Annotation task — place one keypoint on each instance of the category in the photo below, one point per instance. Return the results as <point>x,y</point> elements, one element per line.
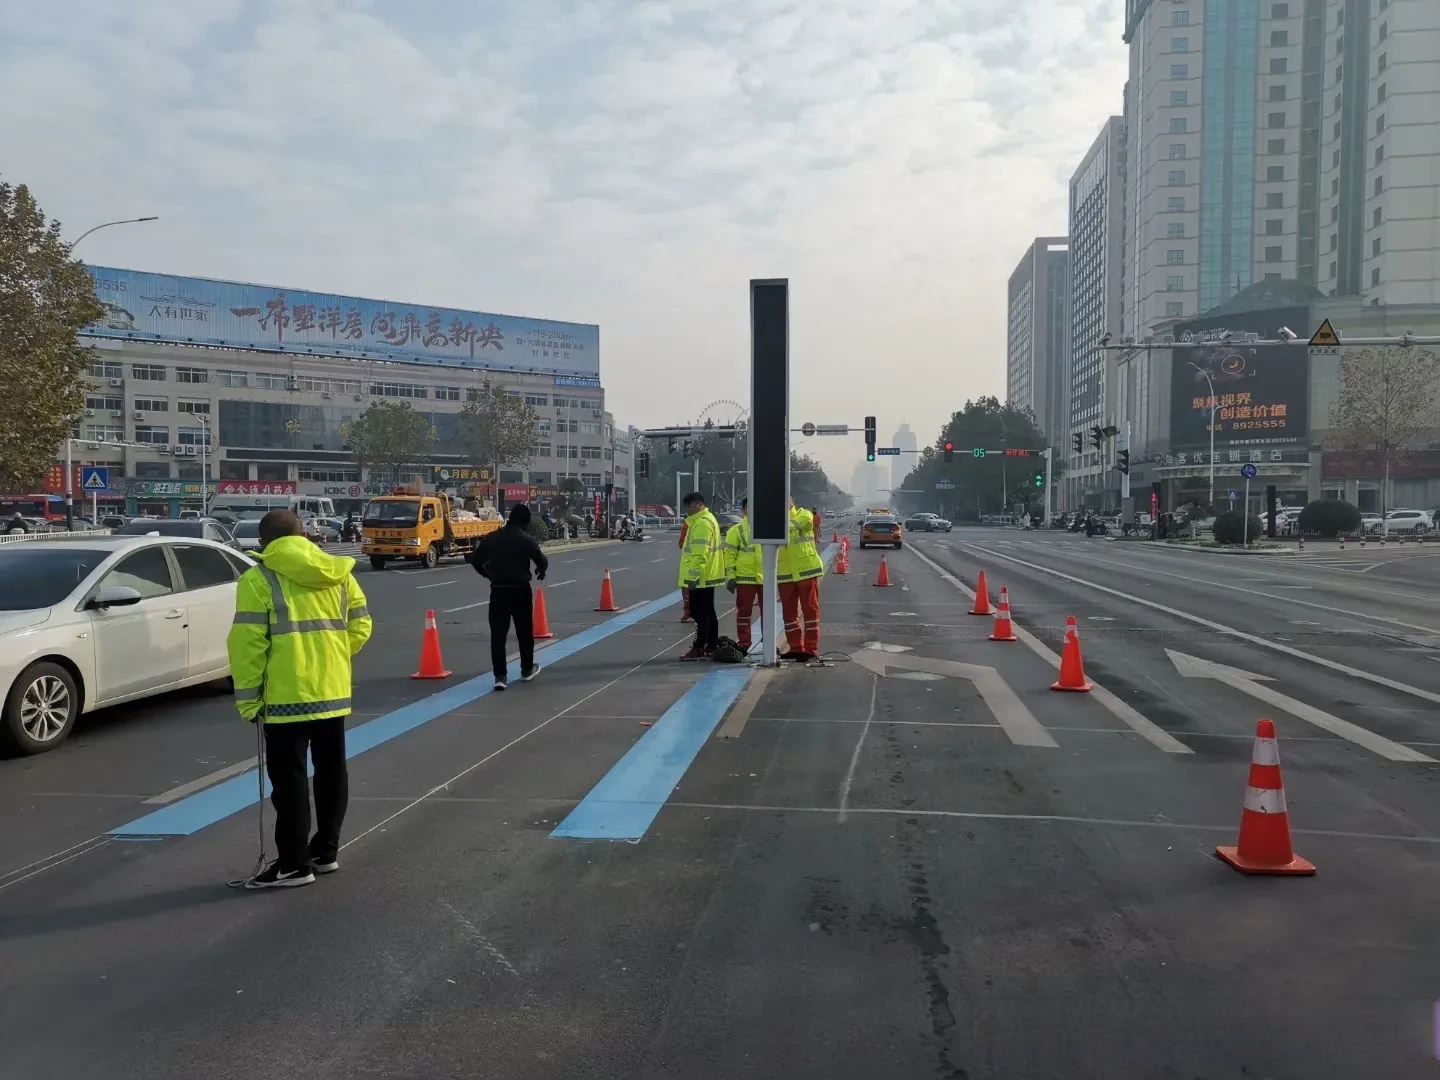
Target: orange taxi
<point>881,527</point>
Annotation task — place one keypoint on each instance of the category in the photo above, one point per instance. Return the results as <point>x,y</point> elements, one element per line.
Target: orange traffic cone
<point>541,618</point>
<point>1264,846</point>
<point>883,580</point>
<point>684,605</point>
<point>432,665</point>
<point>607,594</point>
<point>1004,628</point>
<point>835,536</point>
<point>982,597</point>
<point>842,564</point>
<point>1072,667</point>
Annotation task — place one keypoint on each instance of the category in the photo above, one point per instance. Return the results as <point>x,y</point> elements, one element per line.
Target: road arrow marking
<point>1248,682</point>
<point>1010,712</point>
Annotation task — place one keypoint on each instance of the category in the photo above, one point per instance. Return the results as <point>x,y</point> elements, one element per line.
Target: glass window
<point>266,380</point>
<point>1275,146</point>
<point>1177,151</point>
<point>105,432</point>
<point>1175,202</point>
<point>149,433</point>
<point>1276,120</point>
<point>1379,123</point>
<point>1380,94</point>
<point>147,372</point>
<point>1379,184</point>
<point>1175,283</point>
<point>1277,92</point>
<point>232,378</point>
<point>154,404</point>
<point>1278,65</point>
<point>1274,173</point>
<point>1179,44</point>
<point>1175,230</point>
<point>218,533</point>
<point>1273,254</point>
<point>192,406</point>
<point>1279,38</point>
<point>1383,32</point>
<point>145,571</point>
<point>1174,309</point>
<point>447,393</point>
<point>1381,64</point>
<point>1274,226</point>
<point>99,401</point>
<point>202,567</point>
<point>1179,97</point>
<point>107,369</point>
<point>1176,177</point>
<point>42,575</point>
<point>1180,18</point>
<point>1179,71</point>
<point>1375,276</point>
<point>542,449</point>
<point>1279,11</point>
<point>191,375</point>
<point>1375,246</point>
<point>1177,126</point>
<point>1174,257</point>
<point>1379,154</point>
<point>192,436</point>
<point>1375,218</point>
<point>537,399</point>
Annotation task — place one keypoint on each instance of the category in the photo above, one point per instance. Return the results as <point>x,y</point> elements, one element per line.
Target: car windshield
<point>394,511</point>
<point>246,528</point>
<point>41,574</point>
<point>163,526</point>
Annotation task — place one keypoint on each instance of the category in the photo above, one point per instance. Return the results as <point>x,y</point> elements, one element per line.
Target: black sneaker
<point>321,866</point>
<point>526,676</point>
<point>273,878</point>
<point>501,684</point>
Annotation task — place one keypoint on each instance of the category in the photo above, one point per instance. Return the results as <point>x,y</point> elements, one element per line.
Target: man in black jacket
<point>504,557</point>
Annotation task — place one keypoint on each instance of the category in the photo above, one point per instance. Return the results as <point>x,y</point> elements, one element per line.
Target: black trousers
<point>285,746</point>
<point>507,603</point>
<point>707,623</point>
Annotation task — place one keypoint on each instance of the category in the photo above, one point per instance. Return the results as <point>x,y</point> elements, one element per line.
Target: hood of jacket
<point>300,560</point>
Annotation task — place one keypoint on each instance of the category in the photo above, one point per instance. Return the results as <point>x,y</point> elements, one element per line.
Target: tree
<point>46,298</point>
<point>1388,398</point>
<point>496,429</point>
<point>389,435</point>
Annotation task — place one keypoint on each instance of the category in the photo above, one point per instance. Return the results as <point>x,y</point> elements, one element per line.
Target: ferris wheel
<point>723,413</point>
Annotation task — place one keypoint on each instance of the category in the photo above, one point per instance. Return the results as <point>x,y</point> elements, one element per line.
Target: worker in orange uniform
<point>798,570</point>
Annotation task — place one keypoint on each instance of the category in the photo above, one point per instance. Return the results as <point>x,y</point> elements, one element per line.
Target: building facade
<point>903,465</point>
<point>1096,210</point>
<point>253,418</point>
<point>1038,333</point>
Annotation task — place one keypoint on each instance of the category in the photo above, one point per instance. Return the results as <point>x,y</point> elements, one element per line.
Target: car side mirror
<point>114,596</point>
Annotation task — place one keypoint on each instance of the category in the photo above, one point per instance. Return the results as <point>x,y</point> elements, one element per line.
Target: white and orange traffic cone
<point>1004,628</point>
<point>1264,846</point>
<point>432,665</point>
<point>607,594</point>
<point>982,597</point>
<point>1072,667</point>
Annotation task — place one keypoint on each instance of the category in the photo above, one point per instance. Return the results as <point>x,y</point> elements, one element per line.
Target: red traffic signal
<point>949,451</point>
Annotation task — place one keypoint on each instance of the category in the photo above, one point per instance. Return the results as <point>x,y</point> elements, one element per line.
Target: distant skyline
<point>624,163</point>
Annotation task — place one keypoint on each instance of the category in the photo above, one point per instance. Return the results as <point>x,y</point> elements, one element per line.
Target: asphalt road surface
<point>912,860</point>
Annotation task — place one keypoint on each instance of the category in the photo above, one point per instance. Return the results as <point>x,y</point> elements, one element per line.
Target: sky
<point>630,163</point>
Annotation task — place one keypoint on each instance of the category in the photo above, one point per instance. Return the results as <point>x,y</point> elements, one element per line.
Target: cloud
<point>625,163</point>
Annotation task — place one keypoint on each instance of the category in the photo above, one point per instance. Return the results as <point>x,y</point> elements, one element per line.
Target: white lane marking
<point>1140,724</point>
<point>849,779</point>
<point>465,607</point>
<point>513,742</point>
<point>1229,631</point>
<point>661,559</point>
<point>1043,819</point>
<point>617,569</point>
<point>202,782</point>
<point>569,581</point>
<point>1248,590</point>
<point>437,584</point>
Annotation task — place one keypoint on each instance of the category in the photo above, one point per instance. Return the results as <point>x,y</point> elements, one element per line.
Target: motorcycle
<point>630,531</point>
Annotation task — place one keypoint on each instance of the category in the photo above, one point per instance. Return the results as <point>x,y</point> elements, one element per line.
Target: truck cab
<point>421,527</point>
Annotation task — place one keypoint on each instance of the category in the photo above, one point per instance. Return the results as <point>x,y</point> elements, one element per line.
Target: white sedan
<point>90,622</point>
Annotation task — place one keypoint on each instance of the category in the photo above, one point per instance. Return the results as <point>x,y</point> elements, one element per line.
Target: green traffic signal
<point>1039,479</point>
<point>870,456</point>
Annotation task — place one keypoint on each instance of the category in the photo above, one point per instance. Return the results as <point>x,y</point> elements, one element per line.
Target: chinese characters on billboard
<point>1256,394</point>
<point>156,307</point>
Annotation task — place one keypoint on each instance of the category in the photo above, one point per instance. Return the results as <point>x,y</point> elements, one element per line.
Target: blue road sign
<point>1232,494</point>
<point>95,478</point>
<point>1249,471</point>
<point>887,451</point>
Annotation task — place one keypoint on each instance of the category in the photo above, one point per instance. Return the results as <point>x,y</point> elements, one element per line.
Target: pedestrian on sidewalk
<point>798,569</point>
<point>299,618</point>
<point>744,575</point>
<point>504,557</point>
<point>702,569</point>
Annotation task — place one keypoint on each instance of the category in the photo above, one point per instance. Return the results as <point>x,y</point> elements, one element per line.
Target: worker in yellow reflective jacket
<point>798,569</point>
<point>744,574</point>
<point>702,570</point>
<point>299,618</point>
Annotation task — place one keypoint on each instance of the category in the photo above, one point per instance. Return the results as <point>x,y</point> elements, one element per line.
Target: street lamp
<point>127,221</point>
<point>204,456</point>
<point>1214,402</point>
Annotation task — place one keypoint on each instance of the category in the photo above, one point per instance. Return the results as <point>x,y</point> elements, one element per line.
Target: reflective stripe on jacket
<point>299,618</point>
<point>798,559</point>
<point>744,562</point>
<point>702,559</point>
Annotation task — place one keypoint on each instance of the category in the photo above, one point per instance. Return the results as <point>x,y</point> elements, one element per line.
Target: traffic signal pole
<point>1048,454</point>
<point>1125,476</point>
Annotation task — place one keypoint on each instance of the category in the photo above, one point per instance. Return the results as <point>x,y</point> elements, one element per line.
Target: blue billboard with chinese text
<point>201,311</point>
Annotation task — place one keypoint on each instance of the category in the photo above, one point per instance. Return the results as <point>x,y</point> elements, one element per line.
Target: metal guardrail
<point>10,538</point>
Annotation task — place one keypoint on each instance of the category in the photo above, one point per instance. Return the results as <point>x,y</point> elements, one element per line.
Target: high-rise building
<point>1038,336</point>
<point>1096,202</point>
<point>904,465</point>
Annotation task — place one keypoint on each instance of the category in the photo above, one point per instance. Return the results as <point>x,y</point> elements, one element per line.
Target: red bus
<point>48,507</point>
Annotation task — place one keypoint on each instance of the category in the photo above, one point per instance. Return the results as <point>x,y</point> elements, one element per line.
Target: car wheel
<point>40,709</point>
<point>377,562</point>
<point>432,557</point>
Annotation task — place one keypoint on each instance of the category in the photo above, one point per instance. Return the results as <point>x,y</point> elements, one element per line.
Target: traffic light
<point>1078,441</point>
<point>1122,462</point>
<point>949,451</point>
<point>686,449</point>
<point>1039,478</point>
<point>869,438</point>
<point>671,445</point>
<point>1097,437</point>
<point>644,466</point>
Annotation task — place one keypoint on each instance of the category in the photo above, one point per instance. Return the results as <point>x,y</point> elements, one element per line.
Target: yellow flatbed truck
<point>424,528</point>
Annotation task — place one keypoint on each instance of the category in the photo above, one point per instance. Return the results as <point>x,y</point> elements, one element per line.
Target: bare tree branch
<point>1389,397</point>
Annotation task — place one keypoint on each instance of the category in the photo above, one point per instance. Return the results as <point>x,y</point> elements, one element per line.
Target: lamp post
<point>96,228</point>
<point>204,420</point>
<point>1214,402</point>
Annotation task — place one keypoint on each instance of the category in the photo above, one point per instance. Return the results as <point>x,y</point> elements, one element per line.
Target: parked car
<point>88,622</point>
<point>201,528</point>
<point>928,523</point>
<point>1410,522</point>
<point>247,535</point>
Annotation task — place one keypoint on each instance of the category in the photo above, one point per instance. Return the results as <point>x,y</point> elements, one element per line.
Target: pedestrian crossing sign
<point>95,478</point>
<point>1324,336</point>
